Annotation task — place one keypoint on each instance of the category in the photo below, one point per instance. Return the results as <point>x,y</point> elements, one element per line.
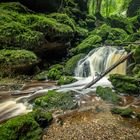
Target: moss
<point>22,127</point>
<point>123,112</point>
<point>14,6</point>
<point>16,61</point>
<point>66,80</point>
<point>88,44</point>
<point>81,32</point>
<point>107,94</point>
<point>14,35</point>
<point>56,100</point>
<point>71,63</point>
<point>16,57</point>
<point>50,27</point>
<point>41,76</point>
<point>55,72</point>
<point>121,22</point>
<point>125,84</point>
<point>29,126</point>
<point>117,34</point>
<point>63,18</point>
<point>134,37</point>
<point>102,31</point>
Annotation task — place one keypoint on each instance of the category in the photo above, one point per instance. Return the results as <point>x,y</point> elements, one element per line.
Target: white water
<point>96,62</point>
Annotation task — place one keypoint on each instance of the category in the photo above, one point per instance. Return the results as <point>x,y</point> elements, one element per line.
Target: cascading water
<point>96,62</point>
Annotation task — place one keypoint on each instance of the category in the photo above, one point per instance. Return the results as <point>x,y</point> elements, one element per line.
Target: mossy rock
<point>55,72</point>
<point>81,32</point>
<point>125,84</point>
<point>14,35</point>
<point>64,19</point>
<point>17,61</point>
<point>102,31</point>
<point>107,94</point>
<point>29,126</point>
<point>66,80</point>
<point>55,100</point>
<point>121,22</point>
<point>41,76</point>
<point>128,112</point>
<point>50,27</point>
<point>72,63</point>
<point>14,6</point>
<point>134,37</point>
<point>117,34</point>
<point>88,44</point>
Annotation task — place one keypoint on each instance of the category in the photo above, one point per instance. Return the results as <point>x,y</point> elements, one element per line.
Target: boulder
<point>125,84</point>
<point>17,62</point>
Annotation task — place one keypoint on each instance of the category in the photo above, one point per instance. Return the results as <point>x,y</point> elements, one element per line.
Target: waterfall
<point>98,60</point>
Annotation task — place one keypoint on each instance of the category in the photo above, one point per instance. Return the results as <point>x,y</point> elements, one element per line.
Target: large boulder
<point>125,84</point>
<point>17,61</point>
<point>72,63</point>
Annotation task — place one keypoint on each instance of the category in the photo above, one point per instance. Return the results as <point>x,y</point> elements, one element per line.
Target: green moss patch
<point>107,94</point>
<point>123,112</point>
<point>66,80</point>
<point>72,63</point>
<point>125,84</point>
<point>16,61</point>
<point>28,126</point>
<point>88,44</point>
<point>56,100</point>
<point>55,72</point>
<point>14,35</point>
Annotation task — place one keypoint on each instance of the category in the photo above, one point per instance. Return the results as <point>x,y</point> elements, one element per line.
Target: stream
<point>14,103</point>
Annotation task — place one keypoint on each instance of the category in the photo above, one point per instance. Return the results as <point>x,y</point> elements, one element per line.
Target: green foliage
<point>55,72</point>
<point>117,36</point>
<point>24,127</point>
<point>102,31</point>
<point>41,76</point>
<point>56,100</point>
<point>107,94</point>
<point>66,80</point>
<point>63,18</point>
<point>125,84</point>
<point>16,57</point>
<point>134,37</point>
<point>88,44</point>
<point>19,36</point>
<point>81,32</point>
<point>49,26</point>
<point>14,6</point>
<point>72,63</point>
<point>121,22</point>
<point>123,112</point>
